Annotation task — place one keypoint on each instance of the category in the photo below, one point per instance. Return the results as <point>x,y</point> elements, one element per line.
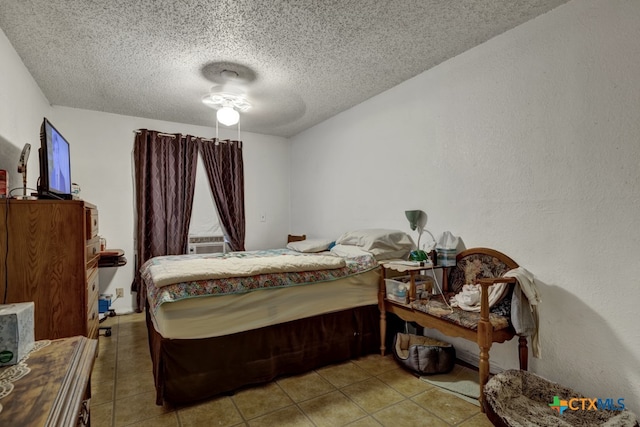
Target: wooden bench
<point>477,265</point>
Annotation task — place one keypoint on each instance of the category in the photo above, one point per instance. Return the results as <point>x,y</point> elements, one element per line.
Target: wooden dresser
<point>53,253</point>
<point>57,389</point>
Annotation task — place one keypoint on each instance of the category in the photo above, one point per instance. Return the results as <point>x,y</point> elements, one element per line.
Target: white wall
<point>101,147</point>
<point>527,144</point>
<point>22,106</point>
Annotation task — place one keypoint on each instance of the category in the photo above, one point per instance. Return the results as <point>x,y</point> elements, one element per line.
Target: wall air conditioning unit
<point>207,245</point>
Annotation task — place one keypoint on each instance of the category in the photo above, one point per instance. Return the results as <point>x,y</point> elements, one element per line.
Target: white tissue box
<point>446,257</point>
<point>16,332</point>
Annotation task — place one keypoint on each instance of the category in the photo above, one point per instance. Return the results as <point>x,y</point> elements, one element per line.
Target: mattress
<point>218,315</point>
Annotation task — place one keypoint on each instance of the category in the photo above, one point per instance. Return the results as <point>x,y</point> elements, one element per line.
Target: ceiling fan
<point>237,89</point>
<point>228,95</point>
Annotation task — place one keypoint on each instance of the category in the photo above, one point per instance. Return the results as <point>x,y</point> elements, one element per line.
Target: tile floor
<point>370,391</point>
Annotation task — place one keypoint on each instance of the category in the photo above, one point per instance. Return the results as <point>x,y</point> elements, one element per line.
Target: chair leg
<point>483,373</point>
<point>523,353</point>
<point>383,332</point>
<point>383,314</point>
<point>485,339</point>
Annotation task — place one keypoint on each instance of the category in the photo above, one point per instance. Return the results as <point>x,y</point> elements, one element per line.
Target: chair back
<point>478,263</point>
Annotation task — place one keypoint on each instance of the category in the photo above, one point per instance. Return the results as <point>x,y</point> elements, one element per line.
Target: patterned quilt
<point>238,285</point>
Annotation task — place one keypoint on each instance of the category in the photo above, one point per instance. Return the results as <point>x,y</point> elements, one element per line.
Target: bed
<point>216,334</point>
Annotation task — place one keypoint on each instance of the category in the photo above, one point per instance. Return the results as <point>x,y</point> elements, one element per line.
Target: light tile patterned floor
<point>371,391</point>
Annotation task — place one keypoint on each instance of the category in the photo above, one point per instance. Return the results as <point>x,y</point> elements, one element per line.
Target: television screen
<point>55,167</point>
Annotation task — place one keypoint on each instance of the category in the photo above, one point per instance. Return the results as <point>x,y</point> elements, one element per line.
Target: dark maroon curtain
<point>225,170</point>
<point>165,174</point>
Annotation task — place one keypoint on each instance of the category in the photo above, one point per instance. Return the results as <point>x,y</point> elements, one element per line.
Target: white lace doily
<point>11,374</point>
<point>14,373</point>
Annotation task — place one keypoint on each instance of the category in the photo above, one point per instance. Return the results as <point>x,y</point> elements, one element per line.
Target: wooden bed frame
<point>191,370</point>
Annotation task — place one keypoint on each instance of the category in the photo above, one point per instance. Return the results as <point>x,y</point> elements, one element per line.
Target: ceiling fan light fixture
<point>229,106</point>
<point>228,116</point>
<point>218,100</point>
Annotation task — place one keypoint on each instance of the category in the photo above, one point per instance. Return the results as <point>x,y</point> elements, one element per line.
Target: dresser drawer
<point>93,320</point>
<point>93,287</point>
<point>92,222</point>
<point>93,249</point>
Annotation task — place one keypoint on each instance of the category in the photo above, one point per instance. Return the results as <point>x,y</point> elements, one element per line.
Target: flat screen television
<point>55,164</point>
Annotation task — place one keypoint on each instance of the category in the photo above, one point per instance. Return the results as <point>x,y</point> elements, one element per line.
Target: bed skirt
<point>191,370</point>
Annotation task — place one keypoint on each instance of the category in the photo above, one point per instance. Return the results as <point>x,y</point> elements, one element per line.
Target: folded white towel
<point>469,299</point>
<point>469,296</point>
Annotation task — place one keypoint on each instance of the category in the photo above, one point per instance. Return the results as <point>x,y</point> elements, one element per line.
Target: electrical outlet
<point>119,293</point>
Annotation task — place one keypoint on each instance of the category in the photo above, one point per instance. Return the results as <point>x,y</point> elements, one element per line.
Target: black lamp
<point>417,221</point>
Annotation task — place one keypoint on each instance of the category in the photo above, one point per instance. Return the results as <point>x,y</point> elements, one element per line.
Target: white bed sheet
<point>215,316</point>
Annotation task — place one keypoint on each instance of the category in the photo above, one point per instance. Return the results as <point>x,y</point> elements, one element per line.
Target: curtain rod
<point>173,136</point>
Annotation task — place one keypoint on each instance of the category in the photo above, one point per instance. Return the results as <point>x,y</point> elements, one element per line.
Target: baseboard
<point>473,359</point>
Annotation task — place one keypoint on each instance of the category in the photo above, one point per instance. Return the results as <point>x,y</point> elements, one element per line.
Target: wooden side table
<point>56,391</point>
<point>110,258</point>
<point>403,310</point>
<point>413,270</point>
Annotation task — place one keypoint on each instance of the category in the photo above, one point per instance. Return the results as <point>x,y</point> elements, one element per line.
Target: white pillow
<point>309,245</point>
<point>382,243</point>
<point>347,251</point>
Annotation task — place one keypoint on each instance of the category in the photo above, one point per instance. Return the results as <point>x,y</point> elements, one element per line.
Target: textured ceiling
<point>299,62</point>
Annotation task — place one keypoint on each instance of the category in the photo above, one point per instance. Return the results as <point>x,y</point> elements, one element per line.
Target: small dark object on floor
<point>107,329</point>
<point>424,355</point>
